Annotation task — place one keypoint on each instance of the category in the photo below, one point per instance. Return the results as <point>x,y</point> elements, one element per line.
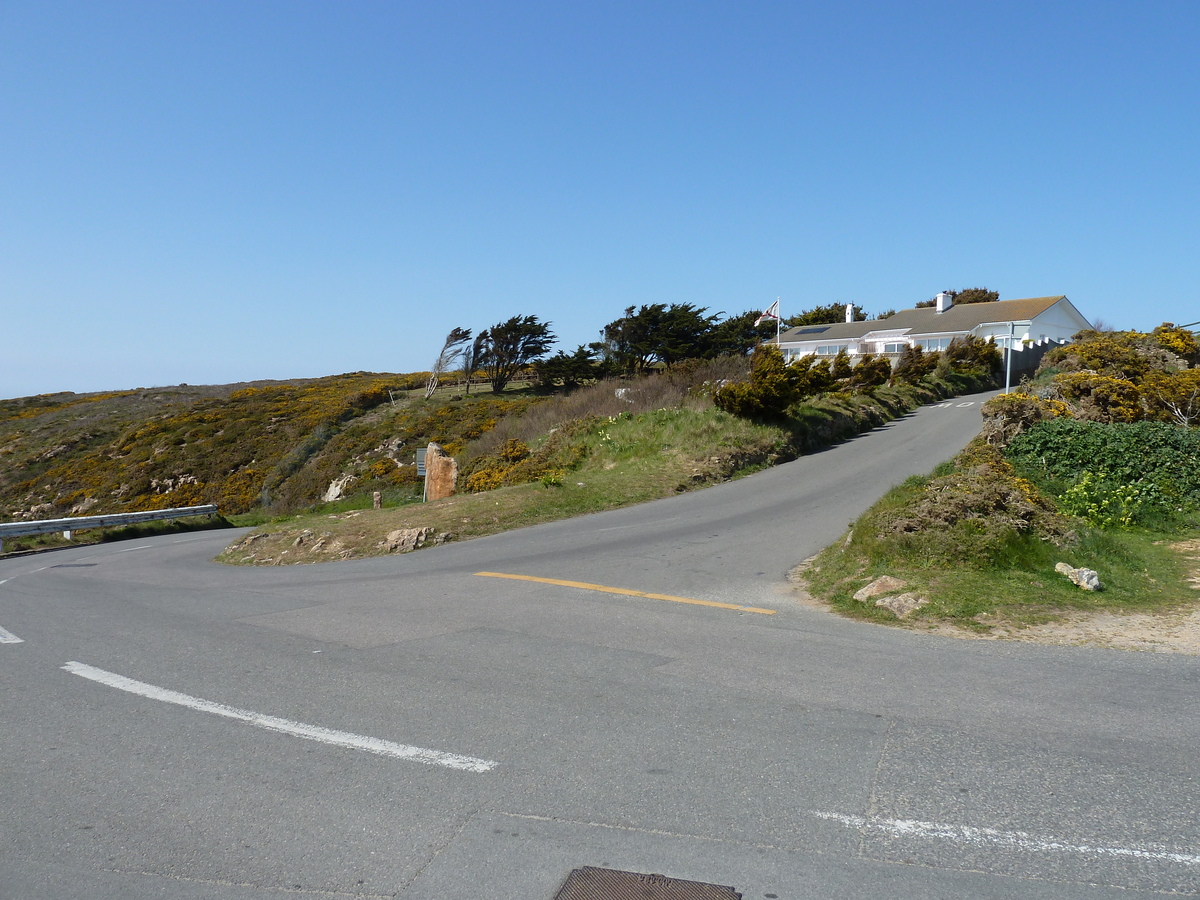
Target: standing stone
<point>377,500</point>
<point>441,473</point>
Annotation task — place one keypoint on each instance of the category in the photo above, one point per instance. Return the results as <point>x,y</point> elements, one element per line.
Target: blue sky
<point>210,192</point>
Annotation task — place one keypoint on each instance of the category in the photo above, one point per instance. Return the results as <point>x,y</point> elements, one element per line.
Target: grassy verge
<point>982,574</point>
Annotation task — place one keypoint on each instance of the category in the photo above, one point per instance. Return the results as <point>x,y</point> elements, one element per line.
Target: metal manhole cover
<point>590,883</point>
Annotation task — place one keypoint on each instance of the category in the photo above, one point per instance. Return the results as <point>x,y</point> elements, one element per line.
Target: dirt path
<point>1167,633</point>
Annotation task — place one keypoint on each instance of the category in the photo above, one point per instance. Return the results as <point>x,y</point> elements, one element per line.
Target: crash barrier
<point>78,523</point>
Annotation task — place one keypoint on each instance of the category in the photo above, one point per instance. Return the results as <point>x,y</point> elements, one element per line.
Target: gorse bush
<point>1007,415</point>
<point>971,514</point>
<point>516,463</point>
<point>774,385</point>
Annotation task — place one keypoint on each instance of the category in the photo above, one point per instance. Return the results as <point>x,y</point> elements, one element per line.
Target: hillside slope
<point>271,445</point>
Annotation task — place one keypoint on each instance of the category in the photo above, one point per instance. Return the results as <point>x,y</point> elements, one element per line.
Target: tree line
<point>650,336</point>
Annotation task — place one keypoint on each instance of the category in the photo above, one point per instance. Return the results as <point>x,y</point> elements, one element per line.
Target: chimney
<point>849,312</point>
<point>945,300</point>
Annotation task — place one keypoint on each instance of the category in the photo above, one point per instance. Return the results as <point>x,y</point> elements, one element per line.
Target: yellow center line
<point>584,585</point>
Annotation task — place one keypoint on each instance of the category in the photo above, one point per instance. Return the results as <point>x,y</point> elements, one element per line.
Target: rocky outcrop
<point>337,488</point>
<point>405,540</point>
<point>441,473</point>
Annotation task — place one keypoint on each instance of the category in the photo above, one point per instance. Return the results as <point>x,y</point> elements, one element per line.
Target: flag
<point>771,312</point>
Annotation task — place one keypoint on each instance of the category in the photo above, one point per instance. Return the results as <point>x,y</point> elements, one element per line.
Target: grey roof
<point>957,319</point>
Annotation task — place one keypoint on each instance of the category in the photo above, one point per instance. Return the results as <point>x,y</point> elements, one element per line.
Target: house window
<point>931,344</point>
<point>830,349</point>
<point>895,348</point>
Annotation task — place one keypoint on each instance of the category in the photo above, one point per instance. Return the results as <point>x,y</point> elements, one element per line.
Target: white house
<point>1030,327</point>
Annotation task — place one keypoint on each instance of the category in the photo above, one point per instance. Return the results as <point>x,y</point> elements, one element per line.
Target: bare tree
<point>451,350</point>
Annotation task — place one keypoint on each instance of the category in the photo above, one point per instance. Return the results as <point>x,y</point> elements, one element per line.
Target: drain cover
<point>610,884</point>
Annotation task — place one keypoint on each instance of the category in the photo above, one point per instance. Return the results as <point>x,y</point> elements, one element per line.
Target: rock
<point>902,604</point>
<point>377,500</point>
<point>884,584</point>
<point>83,506</point>
<point>441,473</point>
<point>337,488</point>
<point>247,541</point>
<point>302,538</point>
<point>1086,579</point>
<point>405,540</point>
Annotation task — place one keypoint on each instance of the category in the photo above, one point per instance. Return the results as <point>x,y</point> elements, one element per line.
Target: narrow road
<point>409,727</point>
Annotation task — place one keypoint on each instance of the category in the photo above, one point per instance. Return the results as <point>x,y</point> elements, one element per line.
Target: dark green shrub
<point>1145,454</point>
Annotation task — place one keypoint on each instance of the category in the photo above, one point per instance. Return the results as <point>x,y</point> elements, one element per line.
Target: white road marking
<point>1019,840</point>
<point>968,403</point>
<point>285,726</point>
<point>7,637</point>
<point>131,549</point>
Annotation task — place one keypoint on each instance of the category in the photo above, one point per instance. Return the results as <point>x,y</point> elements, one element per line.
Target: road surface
<point>408,727</point>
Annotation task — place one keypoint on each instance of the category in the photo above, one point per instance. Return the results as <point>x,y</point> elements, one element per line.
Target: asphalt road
<point>407,727</point>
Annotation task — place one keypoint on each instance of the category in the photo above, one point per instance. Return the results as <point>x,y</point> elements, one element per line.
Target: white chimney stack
<point>944,301</point>
<point>849,312</point>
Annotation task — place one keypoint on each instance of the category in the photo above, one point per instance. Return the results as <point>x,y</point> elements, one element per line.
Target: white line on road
<point>1020,840</point>
<point>7,637</point>
<point>285,726</point>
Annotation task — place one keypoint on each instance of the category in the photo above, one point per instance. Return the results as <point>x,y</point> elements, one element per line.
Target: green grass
<point>979,581</point>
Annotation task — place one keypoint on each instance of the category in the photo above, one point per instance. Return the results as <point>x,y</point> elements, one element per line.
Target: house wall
<point>1060,322</point>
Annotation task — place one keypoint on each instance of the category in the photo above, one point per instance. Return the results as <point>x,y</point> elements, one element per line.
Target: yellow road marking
<point>627,592</point>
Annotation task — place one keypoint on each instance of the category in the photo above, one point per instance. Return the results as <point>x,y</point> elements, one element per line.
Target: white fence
<point>78,523</point>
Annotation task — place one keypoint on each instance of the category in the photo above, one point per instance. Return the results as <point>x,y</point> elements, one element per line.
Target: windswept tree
<point>451,350</point>
<point>512,345</point>
<point>571,370</point>
<point>659,333</point>
<point>472,357</point>
<point>738,335</point>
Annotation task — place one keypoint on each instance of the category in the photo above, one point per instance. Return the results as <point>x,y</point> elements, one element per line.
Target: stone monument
<point>441,473</point>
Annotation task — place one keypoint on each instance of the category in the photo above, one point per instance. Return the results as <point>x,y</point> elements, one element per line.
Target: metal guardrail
<point>79,523</point>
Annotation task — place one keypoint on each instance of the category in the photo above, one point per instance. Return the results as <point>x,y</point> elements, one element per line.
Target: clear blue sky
<point>221,191</point>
